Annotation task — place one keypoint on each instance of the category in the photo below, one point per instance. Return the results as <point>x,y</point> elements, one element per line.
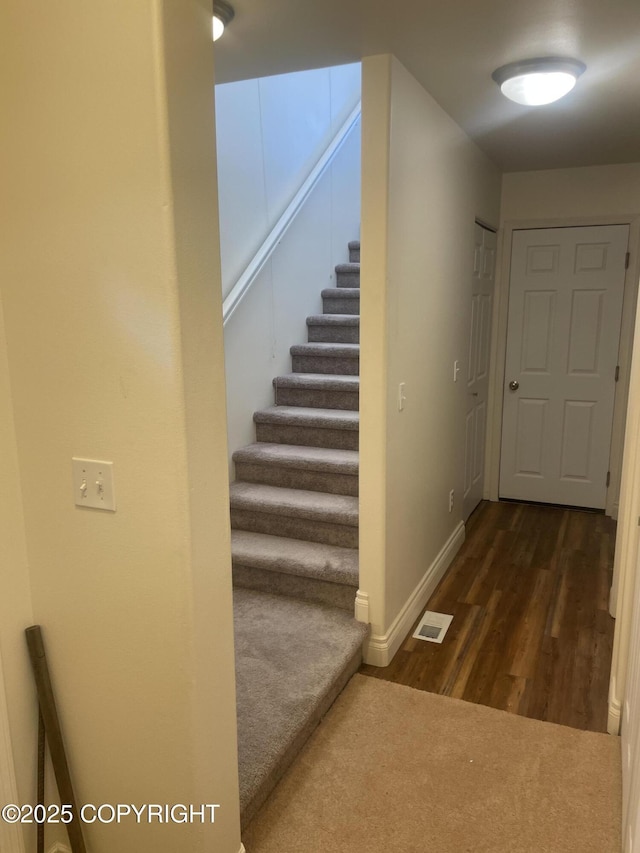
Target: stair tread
<point>305,654</point>
<point>333,319</point>
<point>341,293</point>
<point>274,500</point>
<point>299,456</point>
<point>309,417</point>
<point>352,266</point>
<point>329,563</point>
<point>329,350</point>
<point>321,381</point>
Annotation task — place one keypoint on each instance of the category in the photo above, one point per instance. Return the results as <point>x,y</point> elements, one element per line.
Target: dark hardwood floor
<point>531,632</point>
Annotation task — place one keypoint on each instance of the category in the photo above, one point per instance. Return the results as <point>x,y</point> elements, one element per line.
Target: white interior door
<point>478,367</point>
<point>565,307</point>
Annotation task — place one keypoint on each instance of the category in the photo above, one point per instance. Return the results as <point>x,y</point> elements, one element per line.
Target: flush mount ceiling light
<point>222,14</point>
<point>533,82</point>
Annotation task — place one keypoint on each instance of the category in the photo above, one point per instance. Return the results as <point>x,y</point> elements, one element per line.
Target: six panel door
<point>565,307</point>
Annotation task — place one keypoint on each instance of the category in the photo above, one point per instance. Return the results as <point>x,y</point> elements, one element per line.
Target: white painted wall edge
<point>11,837</point>
<point>380,648</point>
<point>263,254</point>
<point>627,546</point>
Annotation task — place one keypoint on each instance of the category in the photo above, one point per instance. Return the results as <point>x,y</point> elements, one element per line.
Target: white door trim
<point>11,837</point>
<point>627,549</point>
<point>499,346</point>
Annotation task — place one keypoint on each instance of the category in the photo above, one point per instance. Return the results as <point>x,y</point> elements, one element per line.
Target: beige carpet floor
<point>396,769</point>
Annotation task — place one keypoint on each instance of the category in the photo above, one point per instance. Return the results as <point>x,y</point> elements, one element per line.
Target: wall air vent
<point>432,627</point>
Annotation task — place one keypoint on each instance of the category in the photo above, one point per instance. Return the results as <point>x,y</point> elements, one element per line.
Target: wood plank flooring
<point>531,632</point>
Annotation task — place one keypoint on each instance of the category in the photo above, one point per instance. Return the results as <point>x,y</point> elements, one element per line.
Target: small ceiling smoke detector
<point>534,82</point>
<point>222,14</point>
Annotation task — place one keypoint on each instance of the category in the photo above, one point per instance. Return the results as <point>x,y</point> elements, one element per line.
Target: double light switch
<point>93,484</point>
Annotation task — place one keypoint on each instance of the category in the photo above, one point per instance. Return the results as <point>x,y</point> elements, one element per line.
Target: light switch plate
<point>93,484</point>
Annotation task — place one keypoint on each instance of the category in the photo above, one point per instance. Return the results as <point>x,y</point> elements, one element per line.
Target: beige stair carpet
<point>397,769</point>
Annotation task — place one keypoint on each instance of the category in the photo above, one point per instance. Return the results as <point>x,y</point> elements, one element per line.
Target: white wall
<point>571,193</point>
<point>424,184</point>
<point>280,128</point>
<point>111,293</point>
<point>270,134</point>
<point>624,692</point>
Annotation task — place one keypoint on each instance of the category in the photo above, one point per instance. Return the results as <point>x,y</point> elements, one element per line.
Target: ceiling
<point>452,47</point>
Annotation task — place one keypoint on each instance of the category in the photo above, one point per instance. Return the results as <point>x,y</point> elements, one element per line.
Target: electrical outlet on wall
<point>451,497</point>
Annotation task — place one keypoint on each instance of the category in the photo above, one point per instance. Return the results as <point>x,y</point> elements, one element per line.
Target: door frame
<point>499,346</point>
<point>491,230</point>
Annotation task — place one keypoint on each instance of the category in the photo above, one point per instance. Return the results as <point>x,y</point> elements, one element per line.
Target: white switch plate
<point>456,370</point>
<point>93,484</point>
<point>401,396</point>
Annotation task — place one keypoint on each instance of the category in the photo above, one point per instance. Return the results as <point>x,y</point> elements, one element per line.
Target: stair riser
<point>340,439</point>
<point>354,256</point>
<point>334,334</point>
<point>335,305</point>
<point>341,366</point>
<point>295,528</point>
<point>347,279</point>
<point>298,478</point>
<point>308,589</point>
<point>317,399</point>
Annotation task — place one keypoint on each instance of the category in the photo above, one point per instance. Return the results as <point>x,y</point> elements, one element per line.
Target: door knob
<point>514,385</point>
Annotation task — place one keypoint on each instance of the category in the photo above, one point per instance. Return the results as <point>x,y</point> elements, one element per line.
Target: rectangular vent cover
<point>432,627</point>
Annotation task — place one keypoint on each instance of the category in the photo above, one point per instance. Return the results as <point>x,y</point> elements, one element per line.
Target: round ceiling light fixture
<point>222,14</point>
<point>534,82</point>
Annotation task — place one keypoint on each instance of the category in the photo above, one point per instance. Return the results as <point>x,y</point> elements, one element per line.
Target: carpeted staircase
<point>294,540</point>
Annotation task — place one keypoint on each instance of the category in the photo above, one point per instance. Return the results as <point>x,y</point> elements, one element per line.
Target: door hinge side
<point>608,478</point>
<point>627,259</point>
<point>617,372</point>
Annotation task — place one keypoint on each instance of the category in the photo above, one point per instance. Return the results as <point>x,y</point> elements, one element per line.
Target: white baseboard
<point>242,850</point>
<point>58,848</point>
<point>614,717</point>
<point>380,648</point>
<point>362,607</point>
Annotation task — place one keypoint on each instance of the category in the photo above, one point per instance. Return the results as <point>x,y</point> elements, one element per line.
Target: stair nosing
<point>333,320</point>
<point>323,459</point>
<point>287,563</point>
<point>320,381</point>
<point>326,349</point>
<point>341,293</point>
<point>348,419</point>
<point>294,503</point>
